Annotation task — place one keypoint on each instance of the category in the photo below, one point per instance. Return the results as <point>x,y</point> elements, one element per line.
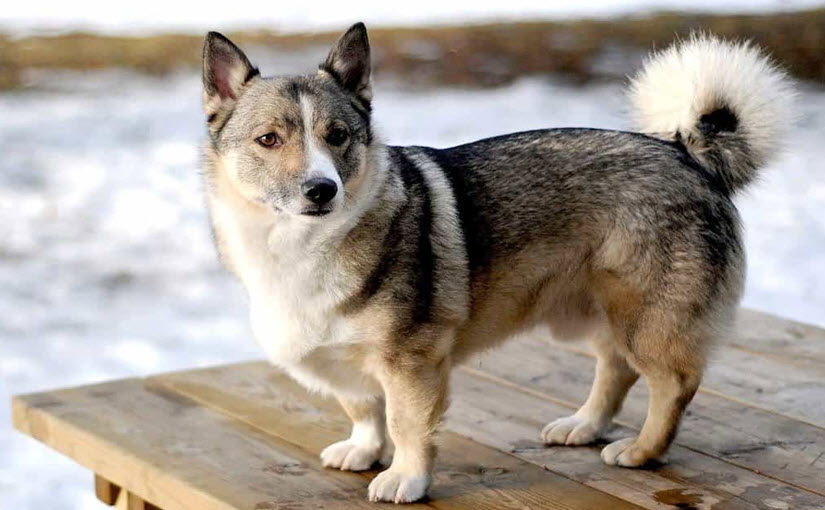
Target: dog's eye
<point>337,136</point>
<point>268,140</point>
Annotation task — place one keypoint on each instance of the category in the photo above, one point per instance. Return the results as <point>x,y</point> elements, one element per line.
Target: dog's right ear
<point>225,72</point>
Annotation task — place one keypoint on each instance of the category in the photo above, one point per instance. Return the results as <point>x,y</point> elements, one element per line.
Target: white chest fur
<point>294,286</point>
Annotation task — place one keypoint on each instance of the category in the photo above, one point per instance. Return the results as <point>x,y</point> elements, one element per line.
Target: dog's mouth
<point>316,212</point>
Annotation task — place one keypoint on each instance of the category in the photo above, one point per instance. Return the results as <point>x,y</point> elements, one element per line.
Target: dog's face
<point>297,145</point>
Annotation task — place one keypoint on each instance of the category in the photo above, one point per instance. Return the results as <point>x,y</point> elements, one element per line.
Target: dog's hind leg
<point>613,379</point>
<point>672,361</point>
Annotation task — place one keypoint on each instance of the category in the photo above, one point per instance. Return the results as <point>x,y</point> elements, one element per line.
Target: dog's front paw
<point>626,453</point>
<point>571,430</point>
<point>396,487</point>
<point>350,456</point>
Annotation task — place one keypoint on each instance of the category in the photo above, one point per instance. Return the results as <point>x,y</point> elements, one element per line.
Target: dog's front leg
<point>367,441</point>
<point>415,389</point>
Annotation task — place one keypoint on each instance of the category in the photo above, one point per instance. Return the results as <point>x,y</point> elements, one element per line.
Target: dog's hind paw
<point>396,487</point>
<point>350,456</point>
<point>571,430</point>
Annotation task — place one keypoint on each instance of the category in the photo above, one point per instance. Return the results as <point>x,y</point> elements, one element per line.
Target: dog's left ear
<point>225,72</point>
<point>349,62</point>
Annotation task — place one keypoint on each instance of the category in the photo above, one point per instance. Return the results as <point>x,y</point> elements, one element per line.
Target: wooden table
<point>245,437</point>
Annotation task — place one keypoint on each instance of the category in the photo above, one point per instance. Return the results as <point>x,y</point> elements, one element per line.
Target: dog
<point>372,269</point>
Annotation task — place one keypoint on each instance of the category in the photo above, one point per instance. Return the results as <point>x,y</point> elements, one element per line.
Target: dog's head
<point>298,145</point>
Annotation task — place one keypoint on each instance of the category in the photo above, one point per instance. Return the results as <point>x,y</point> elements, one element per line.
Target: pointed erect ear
<point>225,71</point>
<point>349,62</point>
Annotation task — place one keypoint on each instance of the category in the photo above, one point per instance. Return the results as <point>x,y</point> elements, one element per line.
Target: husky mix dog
<point>373,269</point>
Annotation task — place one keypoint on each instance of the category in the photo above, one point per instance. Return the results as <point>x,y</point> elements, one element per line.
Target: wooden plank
<point>106,491</point>
<point>768,383</point>
<point>764,442</point>
<point>468,475</point>
<point>166,450</point>
<point>792,342</point>
<point>509,419</point>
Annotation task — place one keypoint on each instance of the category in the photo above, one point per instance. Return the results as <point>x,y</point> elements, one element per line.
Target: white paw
<point>571,430</point>
<point>350,456</point>
<point>625,453</point>
<point>396,487</point>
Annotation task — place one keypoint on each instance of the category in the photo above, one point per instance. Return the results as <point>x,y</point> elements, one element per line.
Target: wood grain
<point>468,475</point>
<point>508,419</point>
<point>767,362</point>
<point>246,437</point>
<point>768,335</point>
<point>727,429</point>
<point>176,455</point>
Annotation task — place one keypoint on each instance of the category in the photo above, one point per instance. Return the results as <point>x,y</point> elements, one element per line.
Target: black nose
<point>319,190</point>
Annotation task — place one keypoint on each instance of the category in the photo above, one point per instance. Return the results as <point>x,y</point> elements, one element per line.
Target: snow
<point>107,266</point>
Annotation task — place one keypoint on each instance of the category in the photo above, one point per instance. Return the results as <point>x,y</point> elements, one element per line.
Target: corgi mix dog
<point>373,269</point>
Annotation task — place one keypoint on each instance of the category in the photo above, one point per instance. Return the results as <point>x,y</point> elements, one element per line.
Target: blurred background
<point>106,264</point>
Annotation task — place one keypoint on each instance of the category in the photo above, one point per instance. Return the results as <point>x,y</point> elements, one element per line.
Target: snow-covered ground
<point>107,268</point>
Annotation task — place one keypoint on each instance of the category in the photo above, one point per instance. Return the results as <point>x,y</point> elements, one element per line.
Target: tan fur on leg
<point>669,395</point>
<point>416,395</point>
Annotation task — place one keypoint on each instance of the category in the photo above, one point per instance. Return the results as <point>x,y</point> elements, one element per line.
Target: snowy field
<point>107,268</point>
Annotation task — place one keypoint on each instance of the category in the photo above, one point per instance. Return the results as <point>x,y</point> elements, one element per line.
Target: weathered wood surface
<point>730,430</point>
<point>178,445</point>
<point>245,436</point>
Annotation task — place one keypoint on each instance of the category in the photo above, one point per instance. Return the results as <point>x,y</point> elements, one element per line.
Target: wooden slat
<point>508,419</point>
<point>168,451</point>
<point>754,438</point>
<point>764,442</point>
<point>468,475</point>
<point>771,336</point>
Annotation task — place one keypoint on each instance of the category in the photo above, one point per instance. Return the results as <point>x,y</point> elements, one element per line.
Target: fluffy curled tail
<point>726,102</point>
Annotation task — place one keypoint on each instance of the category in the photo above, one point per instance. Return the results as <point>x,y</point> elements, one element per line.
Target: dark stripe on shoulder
<point>471,198</point>
<point>424,260</point>
<point>406,260</point>
<point>374,282</point>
